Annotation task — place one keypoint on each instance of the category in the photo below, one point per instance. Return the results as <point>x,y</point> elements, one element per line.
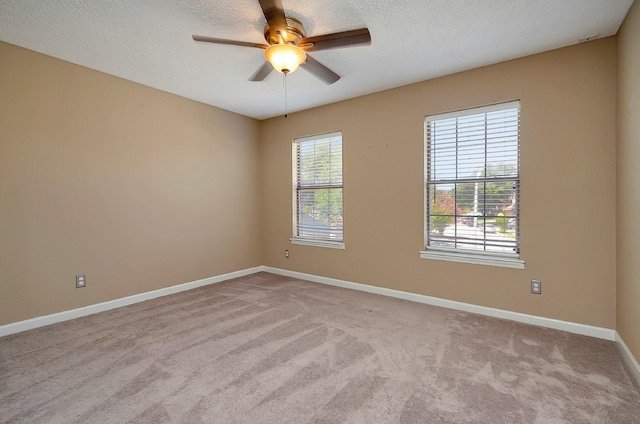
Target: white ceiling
<point>149,42</point>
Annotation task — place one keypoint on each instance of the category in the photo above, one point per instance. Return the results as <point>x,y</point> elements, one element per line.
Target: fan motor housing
<point>291,34</point>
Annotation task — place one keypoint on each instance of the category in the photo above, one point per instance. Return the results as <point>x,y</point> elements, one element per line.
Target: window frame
<point>311,241</point>
<point>467,255</point>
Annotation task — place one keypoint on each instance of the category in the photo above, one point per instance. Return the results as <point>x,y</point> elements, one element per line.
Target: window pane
<point>320,162</point>
<point>320,213</point>
<point>318,185</point>
<point>473,181</point>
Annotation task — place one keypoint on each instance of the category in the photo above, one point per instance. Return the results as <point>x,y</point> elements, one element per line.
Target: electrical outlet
<point>81,281</point>
<point>536,287</point>
<point>286,254</point>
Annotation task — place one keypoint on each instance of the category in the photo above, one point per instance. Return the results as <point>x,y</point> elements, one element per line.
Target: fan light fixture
<point>285,58</point>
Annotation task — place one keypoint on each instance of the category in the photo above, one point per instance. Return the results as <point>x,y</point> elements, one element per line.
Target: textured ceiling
<point>149,42</point>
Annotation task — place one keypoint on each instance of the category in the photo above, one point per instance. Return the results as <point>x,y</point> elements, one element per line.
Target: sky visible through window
<point>459,150</point>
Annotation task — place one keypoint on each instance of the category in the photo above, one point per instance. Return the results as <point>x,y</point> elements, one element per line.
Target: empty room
<point>278,211</point>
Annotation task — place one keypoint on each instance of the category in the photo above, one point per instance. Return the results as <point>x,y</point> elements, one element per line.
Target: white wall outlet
<point>81,281</point>
<point>536,287</point>
<point>286,254</point>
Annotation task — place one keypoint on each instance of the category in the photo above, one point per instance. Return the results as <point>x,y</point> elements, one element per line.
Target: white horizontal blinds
<point>319,187</point>
<point>473,179</point>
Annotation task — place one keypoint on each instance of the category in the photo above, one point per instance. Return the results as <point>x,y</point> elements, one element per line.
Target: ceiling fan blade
<point>320,71</point>
<point>262,72</point>
<point>355,37</point>
<point>230,42</point>
<point>274,12</point>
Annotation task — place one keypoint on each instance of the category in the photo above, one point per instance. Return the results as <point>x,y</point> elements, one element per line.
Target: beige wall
<point>568,100</point>
<point>628,182</point>
<point>137,188</point>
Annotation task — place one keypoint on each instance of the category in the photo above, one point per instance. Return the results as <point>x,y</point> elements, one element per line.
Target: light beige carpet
<point>270,349</point>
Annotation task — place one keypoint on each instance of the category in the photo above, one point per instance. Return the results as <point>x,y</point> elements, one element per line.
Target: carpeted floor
<point>270,349</point>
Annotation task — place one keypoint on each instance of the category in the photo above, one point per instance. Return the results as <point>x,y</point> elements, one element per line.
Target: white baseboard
<point>587,330</point>
<point>32,323</point>
<point>628,356</point>
<point>571,327</point>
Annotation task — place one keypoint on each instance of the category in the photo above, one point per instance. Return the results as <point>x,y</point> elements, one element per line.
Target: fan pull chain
<point>284,81</point>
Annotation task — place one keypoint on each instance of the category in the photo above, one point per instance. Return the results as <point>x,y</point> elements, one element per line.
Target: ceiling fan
<point>288,44</point>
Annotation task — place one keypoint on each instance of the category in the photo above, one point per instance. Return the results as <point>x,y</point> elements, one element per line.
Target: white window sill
<point>473,258</point>
<point>318,243</point>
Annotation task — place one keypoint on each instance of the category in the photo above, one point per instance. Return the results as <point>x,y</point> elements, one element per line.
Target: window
<point>472,186</point>
<point>317,202</point>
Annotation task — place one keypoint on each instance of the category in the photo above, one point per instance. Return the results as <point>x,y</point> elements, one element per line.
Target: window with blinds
<point>318,188</point>
<point>472,180</point>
